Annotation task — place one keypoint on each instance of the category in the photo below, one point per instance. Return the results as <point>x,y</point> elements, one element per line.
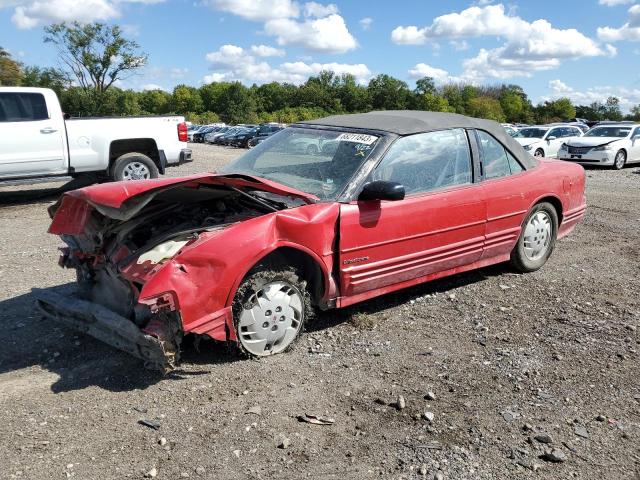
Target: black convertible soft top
<point>409,122</point>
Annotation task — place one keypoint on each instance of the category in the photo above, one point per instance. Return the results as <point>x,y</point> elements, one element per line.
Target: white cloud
<point>258,10</point>
<point>153,86</point>
<point>630,31</point>
<point>459,45</point>
<point>314,26</point>
<point>267,51</point>
<point>231,62</point>
<point>628,96</point>
<point>528,47</point>
<point>31,13</point>
<point>365,23</point>
<point>424,70</point>
<point>613,3</point>
<point>317,10</point>
<point>327,35</point>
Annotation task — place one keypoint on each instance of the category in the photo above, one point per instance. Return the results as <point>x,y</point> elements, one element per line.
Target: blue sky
<point>584,49</point>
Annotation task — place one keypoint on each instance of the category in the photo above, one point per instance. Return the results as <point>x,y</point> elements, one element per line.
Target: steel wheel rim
<point>619,160</point>
<point>136,171</point>
<point>537,153</point>
<point>271,319</point>
<point>537,235</point>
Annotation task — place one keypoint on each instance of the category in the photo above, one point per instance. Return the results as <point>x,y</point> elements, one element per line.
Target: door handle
<point>48,130</point>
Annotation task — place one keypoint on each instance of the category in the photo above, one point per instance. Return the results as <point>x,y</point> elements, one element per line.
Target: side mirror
<point>552,137</point>
<point>382,190</point>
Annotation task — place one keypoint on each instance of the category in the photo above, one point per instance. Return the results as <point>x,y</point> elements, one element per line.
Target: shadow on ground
<point>30,340</point>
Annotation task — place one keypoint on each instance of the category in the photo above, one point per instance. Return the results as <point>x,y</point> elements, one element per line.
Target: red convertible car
<point>386,200</point>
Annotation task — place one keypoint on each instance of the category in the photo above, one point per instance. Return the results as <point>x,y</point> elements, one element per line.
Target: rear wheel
<point>539,153</point>
<point>620,160</point>
<point>312,149</point>
<point>133,166</point>
<point>537,238</point>
<point>270,311</point>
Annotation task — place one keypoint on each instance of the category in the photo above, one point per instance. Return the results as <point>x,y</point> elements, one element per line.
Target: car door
<point>31,143</point>
<point>552,146</point>
<point>384,245</point>
<point>634,149</point>
<point>504,182</point>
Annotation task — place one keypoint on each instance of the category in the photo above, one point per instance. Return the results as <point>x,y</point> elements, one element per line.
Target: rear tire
<point>133,166</point>
<point>620,160</point>
<point>537,238</point>
<point>270,310</point>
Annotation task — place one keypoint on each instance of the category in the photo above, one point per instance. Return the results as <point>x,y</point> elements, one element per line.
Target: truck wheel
<point>133,166</point>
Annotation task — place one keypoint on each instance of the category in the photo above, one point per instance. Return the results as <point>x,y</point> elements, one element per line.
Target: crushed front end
<point>117,247</point>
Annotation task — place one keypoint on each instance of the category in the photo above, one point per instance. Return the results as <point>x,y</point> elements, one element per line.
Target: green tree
<point>388,93</point>
<point>52,78</point>
<point>513,106</point>
<point>186,99</point>
<point>425,85</point>
<point>11,73</point>
<point>457,97</point>
<point>95,53</point>
<point>236,104</point>
<point>485,107</point>
<point>353,97</point>
<point>612,109</point>
<point>555,110</point>
<point>433,102</point>
<point>157,102</point>
<point>634,113</point>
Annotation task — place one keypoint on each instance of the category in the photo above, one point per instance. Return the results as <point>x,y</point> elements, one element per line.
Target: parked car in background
<point>265,133</point>
<point>510,129</point>
<point>611,144</point>
<point>192,131</point>
<point>247,255</point>
<point>38,140</point>
<point>211,136</point>
<point>545,140</point>
<point>198,137</point>
<point>226,139</point>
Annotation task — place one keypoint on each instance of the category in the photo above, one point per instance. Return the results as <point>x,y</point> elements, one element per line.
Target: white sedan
<point>544,140</point>
<point>614,145</point>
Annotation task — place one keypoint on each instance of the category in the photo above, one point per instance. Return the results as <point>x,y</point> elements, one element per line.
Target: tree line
<point>96,57</point>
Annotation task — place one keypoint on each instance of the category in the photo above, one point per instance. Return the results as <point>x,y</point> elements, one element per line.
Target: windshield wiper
<point>272,205</point>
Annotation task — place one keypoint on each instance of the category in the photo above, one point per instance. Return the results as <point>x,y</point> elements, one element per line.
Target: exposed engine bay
<point>112,256</point>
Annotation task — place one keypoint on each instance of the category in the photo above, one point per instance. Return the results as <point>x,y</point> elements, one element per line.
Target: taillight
<point>182,132</point>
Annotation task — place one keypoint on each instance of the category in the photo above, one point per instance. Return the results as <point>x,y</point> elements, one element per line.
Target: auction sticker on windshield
<point>357,138</point>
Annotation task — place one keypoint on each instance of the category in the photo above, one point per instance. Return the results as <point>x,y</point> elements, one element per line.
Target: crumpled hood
<point>591,141</point>
<point>122,200</point>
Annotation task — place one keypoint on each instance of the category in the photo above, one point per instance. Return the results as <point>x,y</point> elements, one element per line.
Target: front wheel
<point>133,166</point>
<point>270,311</point>
<point>537,238</point>
<point>539,153</point>
<point>620,160</point>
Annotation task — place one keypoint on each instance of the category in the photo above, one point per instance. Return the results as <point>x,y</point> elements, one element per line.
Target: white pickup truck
<point>38,140</point>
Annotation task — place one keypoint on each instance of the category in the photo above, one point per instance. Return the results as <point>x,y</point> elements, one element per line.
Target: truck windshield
<point>315,161</point>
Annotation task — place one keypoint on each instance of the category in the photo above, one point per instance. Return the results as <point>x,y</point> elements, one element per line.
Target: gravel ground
<point>501,375</point>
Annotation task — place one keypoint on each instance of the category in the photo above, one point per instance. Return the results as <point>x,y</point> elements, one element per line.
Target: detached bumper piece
<point>108,327</point>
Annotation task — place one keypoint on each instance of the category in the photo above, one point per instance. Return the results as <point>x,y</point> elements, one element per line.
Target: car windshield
<point>319,162</point>
<point>531,133</point>
<point>619,132</point>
